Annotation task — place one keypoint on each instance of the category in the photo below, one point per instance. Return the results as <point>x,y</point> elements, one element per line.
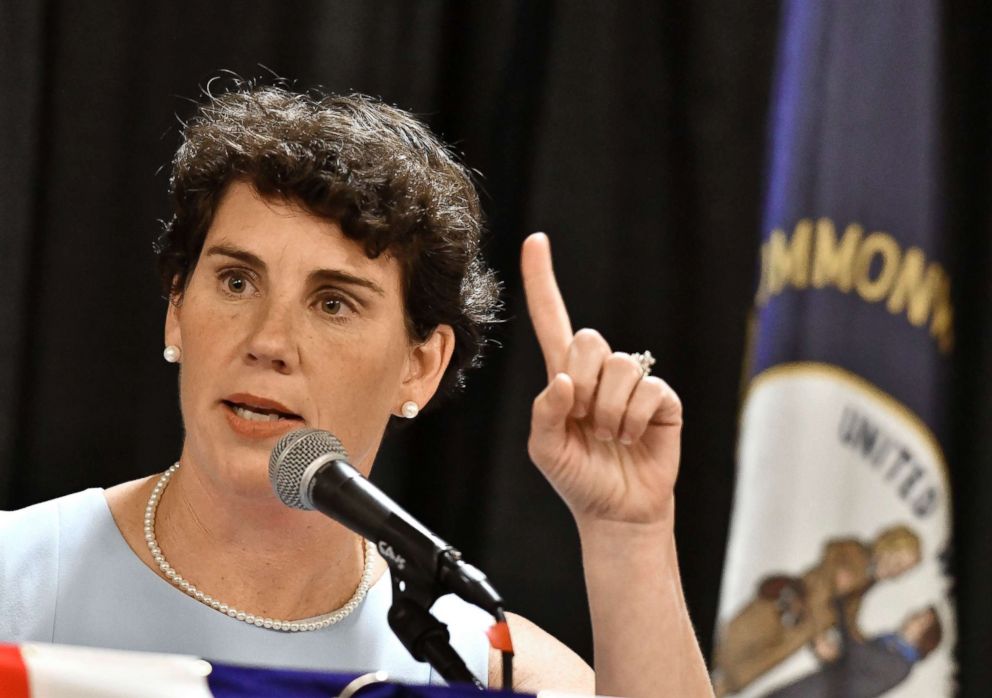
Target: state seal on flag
<point>835,581</point>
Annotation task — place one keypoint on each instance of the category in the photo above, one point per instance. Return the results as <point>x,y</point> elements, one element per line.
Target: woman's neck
<point>250,553</point>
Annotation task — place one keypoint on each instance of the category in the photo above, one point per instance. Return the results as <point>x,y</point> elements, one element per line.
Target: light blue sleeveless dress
<point>67,576</point>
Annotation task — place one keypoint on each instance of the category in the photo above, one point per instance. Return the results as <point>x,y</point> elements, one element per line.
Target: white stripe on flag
<point>59,671</point>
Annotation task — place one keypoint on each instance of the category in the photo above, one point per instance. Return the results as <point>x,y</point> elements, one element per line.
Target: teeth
<point>245,413</point>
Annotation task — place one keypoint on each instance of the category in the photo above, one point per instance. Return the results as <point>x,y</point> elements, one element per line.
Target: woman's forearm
<point>643,639</point>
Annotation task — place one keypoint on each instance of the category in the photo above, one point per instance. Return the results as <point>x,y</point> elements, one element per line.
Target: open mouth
<point>257,413</point>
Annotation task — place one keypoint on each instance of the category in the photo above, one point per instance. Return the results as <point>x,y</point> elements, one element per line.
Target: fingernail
<point>604,435</point>
<point>626,440</point>
<point>580,412</point>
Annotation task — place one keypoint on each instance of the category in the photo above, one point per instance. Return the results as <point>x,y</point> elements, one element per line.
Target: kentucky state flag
<point>836,578</point>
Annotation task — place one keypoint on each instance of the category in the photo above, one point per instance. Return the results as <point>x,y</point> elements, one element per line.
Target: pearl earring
<point>410,409</point>
<point>172,354</point>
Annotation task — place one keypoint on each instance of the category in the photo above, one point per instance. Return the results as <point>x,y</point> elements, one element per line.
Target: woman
<point>323,270</point>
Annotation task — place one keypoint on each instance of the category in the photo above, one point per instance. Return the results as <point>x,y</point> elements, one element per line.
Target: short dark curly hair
<point>372,168</point>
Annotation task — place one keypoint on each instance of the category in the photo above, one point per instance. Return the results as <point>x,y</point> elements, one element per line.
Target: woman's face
<point>286,323</point>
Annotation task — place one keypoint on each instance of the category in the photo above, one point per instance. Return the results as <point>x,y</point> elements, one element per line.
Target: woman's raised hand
<point>605,437</point>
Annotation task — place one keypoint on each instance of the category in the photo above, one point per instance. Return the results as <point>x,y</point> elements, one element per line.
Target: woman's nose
<point>271,342</point>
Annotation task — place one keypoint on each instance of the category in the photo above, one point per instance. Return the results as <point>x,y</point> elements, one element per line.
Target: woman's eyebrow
<point>336,276</point>
<point>241,255</point>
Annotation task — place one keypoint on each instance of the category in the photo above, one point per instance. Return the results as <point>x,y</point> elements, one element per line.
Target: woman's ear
<point>173,335</point>
<point>427,364</point>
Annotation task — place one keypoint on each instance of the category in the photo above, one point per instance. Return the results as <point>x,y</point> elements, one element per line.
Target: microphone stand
<point>425,637</point>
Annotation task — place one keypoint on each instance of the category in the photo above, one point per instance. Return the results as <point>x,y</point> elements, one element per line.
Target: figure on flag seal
<point>789,612</point>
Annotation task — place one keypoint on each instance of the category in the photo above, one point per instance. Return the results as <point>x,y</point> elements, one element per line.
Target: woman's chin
<point>249,480</point>
<point>236,469</point>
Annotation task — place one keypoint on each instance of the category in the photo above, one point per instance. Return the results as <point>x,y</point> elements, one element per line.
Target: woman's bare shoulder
<point>541,662</point>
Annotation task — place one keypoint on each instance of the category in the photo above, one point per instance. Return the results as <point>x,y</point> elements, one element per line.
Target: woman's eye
<point>331,306</point>
<point>236,284</point>
<point>335,305</point>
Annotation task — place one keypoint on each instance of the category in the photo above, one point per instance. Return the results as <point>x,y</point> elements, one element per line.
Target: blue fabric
<point>68,576</point>
<point>896,644</point>
<point>229,681</point>
<point>854,138</point>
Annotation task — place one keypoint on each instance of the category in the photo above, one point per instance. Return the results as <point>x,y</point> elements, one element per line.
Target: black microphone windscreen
<point>291,457</point>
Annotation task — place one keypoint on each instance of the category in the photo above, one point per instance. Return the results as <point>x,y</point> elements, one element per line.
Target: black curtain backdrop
<point>633,133</point>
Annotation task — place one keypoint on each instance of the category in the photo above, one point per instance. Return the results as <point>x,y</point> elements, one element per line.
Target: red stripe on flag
<point>13,673</point>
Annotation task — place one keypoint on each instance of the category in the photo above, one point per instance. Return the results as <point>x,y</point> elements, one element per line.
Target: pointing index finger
<point>547,310</point>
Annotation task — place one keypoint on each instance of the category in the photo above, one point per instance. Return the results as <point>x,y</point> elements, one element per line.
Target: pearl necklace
<point>302,625</point>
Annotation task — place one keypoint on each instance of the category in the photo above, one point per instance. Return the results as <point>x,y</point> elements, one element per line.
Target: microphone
<point>309,470</point>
